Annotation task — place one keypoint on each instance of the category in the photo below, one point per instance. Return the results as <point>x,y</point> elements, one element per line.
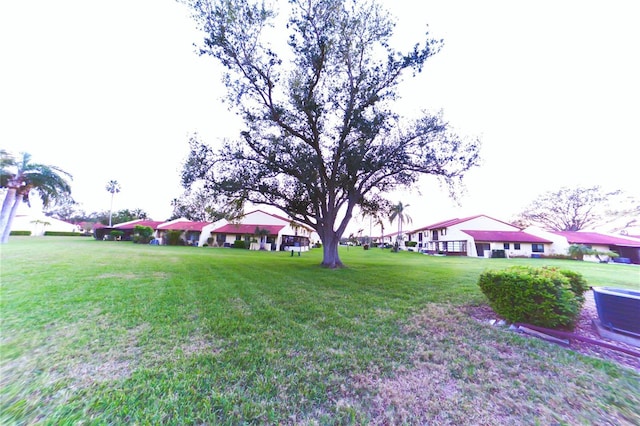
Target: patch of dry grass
<point>457,378</point>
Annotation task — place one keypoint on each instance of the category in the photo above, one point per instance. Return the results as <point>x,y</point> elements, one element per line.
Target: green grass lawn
<point>99,332</point>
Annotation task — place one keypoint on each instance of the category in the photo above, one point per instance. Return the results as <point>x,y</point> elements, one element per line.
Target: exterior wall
<point>526,249</point>
<point>560,244</point>
<point>444,235</point>
<point>39,225</point>
<point>289,230</point>
<point>262,218</point>
<point>484,223</point>
<point>206,231</point>
<point>298,231</point>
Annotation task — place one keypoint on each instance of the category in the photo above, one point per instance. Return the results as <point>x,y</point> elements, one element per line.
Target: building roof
<point>183,225</point>
<point>392,234</point>
<point>233,228</point>
<point>505,236</point>
<point>581,237</point>
<point>138,222</point>
<point>451,222</point>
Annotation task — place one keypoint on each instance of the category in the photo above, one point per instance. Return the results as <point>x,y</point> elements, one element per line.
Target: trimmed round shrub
<point>546,297</point>
<point>239,244</point>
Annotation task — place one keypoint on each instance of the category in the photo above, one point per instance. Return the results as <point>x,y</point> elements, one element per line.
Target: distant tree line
<point>70,213</point>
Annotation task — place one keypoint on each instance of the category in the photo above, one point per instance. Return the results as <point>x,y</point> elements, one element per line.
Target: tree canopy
<point>317,95</point>
<point>20,176</point>
<point>577,208</point>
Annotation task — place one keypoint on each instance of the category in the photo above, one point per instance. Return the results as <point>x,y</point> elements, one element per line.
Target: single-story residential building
<point>626,247</point>
<point>38,224</point>
<point>278,232</point>
<point>128,228</point>
<point>191,231</point>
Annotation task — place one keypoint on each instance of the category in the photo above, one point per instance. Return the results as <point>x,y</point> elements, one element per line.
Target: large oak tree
<point>317,94</point>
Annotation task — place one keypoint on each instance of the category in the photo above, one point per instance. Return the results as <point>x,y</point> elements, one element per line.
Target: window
<point>443,231</point>
<point>516,246</point>
<point>537,248</point>
<point>420,236</point>
<point>506,246</point>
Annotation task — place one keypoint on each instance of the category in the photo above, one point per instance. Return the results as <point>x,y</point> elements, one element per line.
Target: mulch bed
<point>583,328</point>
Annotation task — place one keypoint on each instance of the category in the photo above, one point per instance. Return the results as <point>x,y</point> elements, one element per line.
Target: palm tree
<point>19,177</point>
<point>113,187</point>
<point>398,212</point>
<point>263,233</point>
<point>377,211</point>
<point>380,222</point>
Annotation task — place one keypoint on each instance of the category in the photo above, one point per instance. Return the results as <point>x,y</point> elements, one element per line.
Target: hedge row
<point>48,234</point>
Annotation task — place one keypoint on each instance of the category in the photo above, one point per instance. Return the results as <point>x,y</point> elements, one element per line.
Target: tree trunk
<point>7,205</point>
<point>14,209</point>
<point>330,241</point>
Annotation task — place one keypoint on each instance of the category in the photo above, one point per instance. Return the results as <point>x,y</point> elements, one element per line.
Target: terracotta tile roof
<point>505,236</point>
<point>581,237</point>
<point>232,228</point>
<point>184,225</point>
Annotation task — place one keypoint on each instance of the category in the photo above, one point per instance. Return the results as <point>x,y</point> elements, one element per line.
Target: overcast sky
<point>112,90</point>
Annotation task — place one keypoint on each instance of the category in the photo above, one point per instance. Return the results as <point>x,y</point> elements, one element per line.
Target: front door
<point>481,247</point>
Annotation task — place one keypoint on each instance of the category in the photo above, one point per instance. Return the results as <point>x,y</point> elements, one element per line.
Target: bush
<point>62,234</point>
<point>411,243</point>
<point>239,244</point>
<point>173,238</point>
<point>578,252</point>
<point>142,234</point>
<point>115,235</point>
<point>20,233</point>
<point>577,282</point>
<point>546,297</point>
